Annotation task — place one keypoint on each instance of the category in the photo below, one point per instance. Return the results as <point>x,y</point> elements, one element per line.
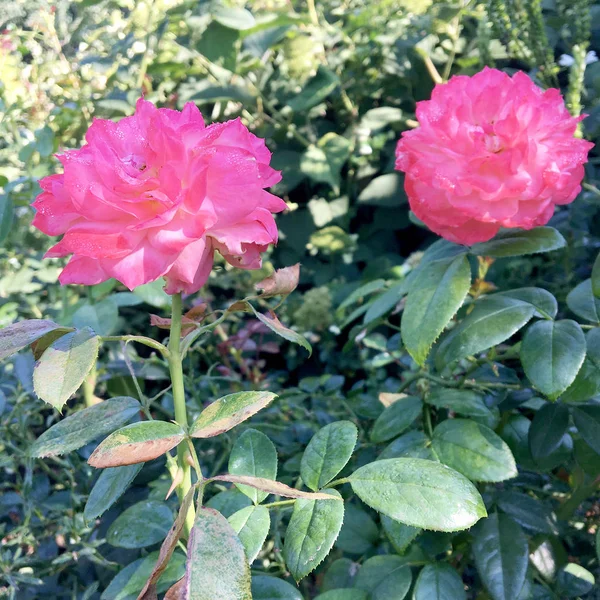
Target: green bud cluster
<point>315,314</point>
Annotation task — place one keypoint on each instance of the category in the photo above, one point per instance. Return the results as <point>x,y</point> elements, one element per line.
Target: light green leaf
<point>143,524</point>
<point>501,556</point>
<point>311,533</point>
<point>511,242</point>
<point>253,454</point>
<point>473,450</point>
<point>239,19</point>
<point>399,534</point>
<point>384,578</point>
<point>154,294</point>
<point>552,353</point>
<point>323,162</point>
<point>587,382</point>
<point>275,325</point>
<point>227,412</point>
<point>84,426</point>
<point>386,190</point>
<point>439,582</point>
<point>252,526</point>
<point>7,210</point>
<point>493,320</point>
<point>343,594</point>
<point>139,442</point>
<point>385,302</point>
<point>315,91</point>
<point>396,418</point>
<point>64,366</point>
<point>437,292</point>
<point>101,317</point>
<point>327,453</point>
<point>547,429</point>
<point>419,492</point>
<point>109,488</point>
<point>216,575</point>
<point>544,302</point>
<point>582,301</point>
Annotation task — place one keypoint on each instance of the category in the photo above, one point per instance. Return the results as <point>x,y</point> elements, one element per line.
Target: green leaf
<point>253,454</point>
<point>217,568</point>
<point>386,190</point>
<point>515,242</point>
<point>384,578</point>
<point>154,294</point>
<point>399,534</point>
<point>227,412</point>
<point>359,533</point>
<point>143,524</point>
<point>528,512</point>
<point>552,353</point>
<point>385,302</point>
<point>380,118</point>
<point>583,303</point>
<point>420,493</point>
<point>413,444</point>
<point>17,336</point>
<point>327,453</point>
<point>108,489</point>
<point>473,450</point>
<point>323,162</point>
<point>229,502</point>
<point>340,574</point>
<point>252,526</point>
<point>64,366</point>
<point>7,210</point>
<point>587,382</point>
<point>573,581</point>
<point>396,418</point>
<point>219,44</point>
<point>311,533</point>
<point>501,556</point>
<point>547,429</point>
<point>544,302</point>
<point>138,442</point>
<point>596,277</point>
<point>464,402</point>
<point>437,292</point>
<point>493,320</point>
<point>84,426</point>
<point>343,594</point>
<point>439,582</point>
<point>587,421</point>
<point>275,325</point>
<point>271,588</point>
<point>101,317</point>
<point>315,91</point>
<point>232,17</point>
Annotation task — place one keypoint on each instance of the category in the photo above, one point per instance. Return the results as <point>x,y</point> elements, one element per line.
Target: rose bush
<point>491,151</point>
<point>155,195</point>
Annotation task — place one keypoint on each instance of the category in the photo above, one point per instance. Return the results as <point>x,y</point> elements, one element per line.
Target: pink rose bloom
<point>155,195</point>
<point>490,152</point>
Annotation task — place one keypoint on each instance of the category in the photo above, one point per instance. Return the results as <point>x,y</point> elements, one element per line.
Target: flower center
<point>135,161</point>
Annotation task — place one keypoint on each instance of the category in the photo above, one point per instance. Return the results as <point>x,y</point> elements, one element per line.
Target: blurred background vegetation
<point>329,84</point>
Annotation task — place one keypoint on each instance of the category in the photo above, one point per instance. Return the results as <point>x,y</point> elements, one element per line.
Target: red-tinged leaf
<point>225,413</point>
<point>18,335</point>
<point>166,550</point>
<point>272,487</point>
<point>175,592</point>
<point>281,283</point>
<point>217,568</point>
<point>275,325</point>
<point>139,442</point>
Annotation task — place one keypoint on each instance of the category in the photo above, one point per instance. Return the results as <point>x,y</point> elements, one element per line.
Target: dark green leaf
<point>327,453</point>
<point>544,302</point>
<point>596,277</point>
<point>143,524</point>
<point>473,450</point>
<point>501,555</point>
<point>311,533</point>
<point>64,366</point>
<point>587,382</point>
<point>419,492</point>
<point>492,321</point>
<point>515,242</point>
<point>396,418</point>
<point>315,91</point>
<point>552,353</point>
<point>275,325</point>
<point>252,526</point>
<point>359,533</point>
<point>343,594</point>
<point>323,162</point>
<point>384,578</point>
<point>227,412</point>
<point>463,402</point>
<point>271,588</point>
<point>399,534</point>
<point>19,335</point>
<point>587,421</point>
<point>573,581</point>
<point>139,442</point>
<point>340,574</point>
<point>253,454</point>
<point>413,444</point>
<point>547,429</point>
<point>528,512</point>
<point>85,426</point>
<point>436,293</point>
<point>101,317</point>
<point>583,303</point>
<point>109,488</point>
<point>6,216</point>
<point>439,582</point>
<point>211,574</point>
<point>385,302</point>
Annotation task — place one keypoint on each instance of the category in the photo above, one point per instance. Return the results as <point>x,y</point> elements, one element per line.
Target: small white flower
<point>566,60</point>
<point>591,57</point>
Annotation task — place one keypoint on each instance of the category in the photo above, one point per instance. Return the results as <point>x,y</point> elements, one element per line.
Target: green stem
<point>176,369</point>
<point>89,385</point>
<point>140,339</point>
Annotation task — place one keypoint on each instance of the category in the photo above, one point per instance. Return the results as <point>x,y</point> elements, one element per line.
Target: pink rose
<point>155,195</point>
<point>490,152</point>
